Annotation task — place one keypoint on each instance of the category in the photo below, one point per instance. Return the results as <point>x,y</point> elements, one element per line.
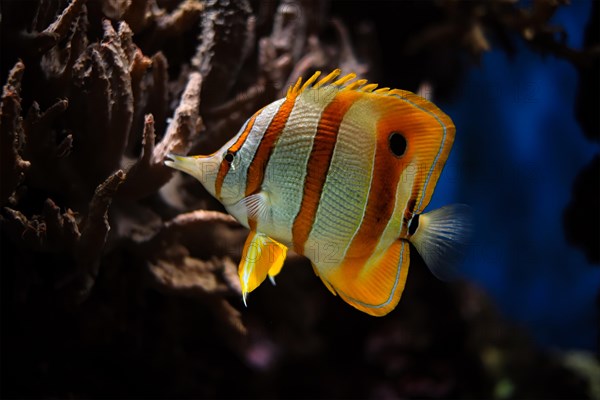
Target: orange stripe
<point>428,122</point>
<point>256,170</point>
<point>318,165</point>
<point>224,166</point>
<point>382,194</point>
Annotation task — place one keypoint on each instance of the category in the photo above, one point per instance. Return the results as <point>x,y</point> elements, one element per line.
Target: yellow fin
<point>345,82</point>
<point>297,89</point>
<point>374,287</point>
<point>334,74</point>
<point>261,256</point>
<point>310,83</point>
<point>276,268</point>
<point>369,88</point>
<point>355,85</point>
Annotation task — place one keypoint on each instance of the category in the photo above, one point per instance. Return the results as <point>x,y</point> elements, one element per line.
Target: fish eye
<point>229,157</point>
<point>397,143</point>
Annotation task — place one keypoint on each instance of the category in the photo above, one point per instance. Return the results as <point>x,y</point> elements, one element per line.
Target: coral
<point>13,165</point>
<point>113,285</point>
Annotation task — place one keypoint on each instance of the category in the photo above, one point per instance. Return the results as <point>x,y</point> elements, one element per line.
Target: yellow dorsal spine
<point>334,74</point>
<point>355,85</point>
<point>347,82</point>
<point>369,88</point>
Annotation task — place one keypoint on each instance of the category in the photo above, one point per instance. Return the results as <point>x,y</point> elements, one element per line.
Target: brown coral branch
<point>181,19</point>
<point>102,103</point>
<point>185,124</point>
<point>226,40</point>
<point>115,9</point>
<point>279,52</point>
<point>138,174</point>
<point>200,216</point>
<point>62,231</point>
<point>289,29</point>
<point>50,232</point>
<point>188,275</point>
<point>230,275</point>
<point>150,173</point>
<point>12,165</point>
<point>348,60</point>
<point>26,233</point>
<point>39,144</point>
<point>277,55</point>
<point>117,51</point>
<point>139,14</point>
<point>174,269</point>
<point>158,94</point>
<point>139,86</point>
<point>179,273</point>
<point>94,233</point>
<point>224,120</point>
<point>59,29</point>
<point>90,86</point>
<point>148,140</point>
<point>198,231</point>
<point>57,61</point>
<point>314,58</point>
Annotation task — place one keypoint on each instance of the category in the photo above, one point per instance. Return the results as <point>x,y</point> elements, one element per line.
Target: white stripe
<point>234,184</point>
<point>393,228</point>
<point>286,169</point>
<point>346,189</point>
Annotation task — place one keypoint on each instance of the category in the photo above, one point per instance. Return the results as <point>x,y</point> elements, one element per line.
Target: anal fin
<point>374,286</point>
<point>261,256</point>
<point>327,284</point>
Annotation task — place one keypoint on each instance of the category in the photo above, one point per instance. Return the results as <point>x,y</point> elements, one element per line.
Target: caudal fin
<point>441,239</point>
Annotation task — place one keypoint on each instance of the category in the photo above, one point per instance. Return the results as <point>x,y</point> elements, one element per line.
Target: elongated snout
<point>203,168</point>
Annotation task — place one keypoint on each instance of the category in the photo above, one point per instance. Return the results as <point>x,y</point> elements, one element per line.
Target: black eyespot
<point>397,143</point>
<point>229,157</point>
<point>414,224</point>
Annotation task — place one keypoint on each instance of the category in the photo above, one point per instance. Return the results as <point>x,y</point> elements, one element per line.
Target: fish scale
<point>344,194</point>
<point>286,168</point>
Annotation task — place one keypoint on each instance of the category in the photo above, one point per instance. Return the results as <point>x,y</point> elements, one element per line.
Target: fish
<point>339,171</point>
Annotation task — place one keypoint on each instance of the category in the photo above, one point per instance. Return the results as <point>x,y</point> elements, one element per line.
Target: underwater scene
<point>300,199</point>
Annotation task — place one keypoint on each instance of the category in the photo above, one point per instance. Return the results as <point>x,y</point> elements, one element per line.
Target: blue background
<point>518,149</point>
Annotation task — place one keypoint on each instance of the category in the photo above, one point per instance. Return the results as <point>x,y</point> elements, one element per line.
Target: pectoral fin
<point>375,286</point>
<point>261,256</point>
<point>257,205</point>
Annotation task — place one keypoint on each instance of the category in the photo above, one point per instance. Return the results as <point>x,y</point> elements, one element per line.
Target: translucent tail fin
<point>441,239</point>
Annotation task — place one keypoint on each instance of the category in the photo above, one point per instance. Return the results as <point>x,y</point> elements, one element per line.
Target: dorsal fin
<point>346,82</point>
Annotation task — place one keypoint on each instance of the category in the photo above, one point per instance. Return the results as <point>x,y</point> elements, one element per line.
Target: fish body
<point>340,172</point>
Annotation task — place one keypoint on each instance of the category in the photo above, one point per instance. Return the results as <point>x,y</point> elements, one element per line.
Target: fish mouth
<point>181,163</point>
<point>203,168</point>
<point>171,159</point>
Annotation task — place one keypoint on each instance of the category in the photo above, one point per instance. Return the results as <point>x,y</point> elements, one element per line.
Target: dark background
<point>150,308</point>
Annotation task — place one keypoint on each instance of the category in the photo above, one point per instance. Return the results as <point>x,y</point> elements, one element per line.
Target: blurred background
<point>519,139</point>
<point>114,286</point>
